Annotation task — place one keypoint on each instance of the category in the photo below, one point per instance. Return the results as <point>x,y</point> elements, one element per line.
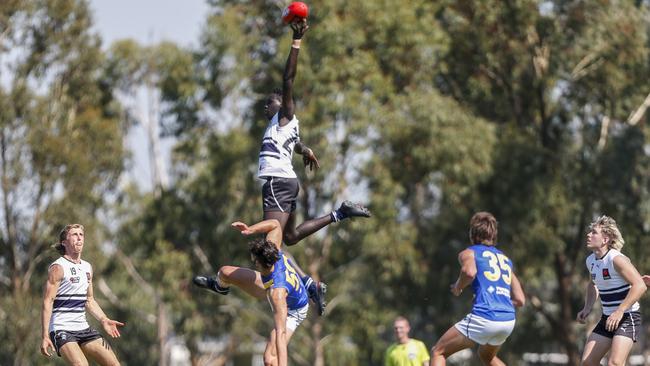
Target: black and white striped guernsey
<point>69,310</point>
<point>277,149</point>
<point>612,287</point>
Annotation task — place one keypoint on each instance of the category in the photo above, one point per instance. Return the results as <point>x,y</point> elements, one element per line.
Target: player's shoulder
<point>86,265</point>
<point>59,261</point>
<point>618,258</point>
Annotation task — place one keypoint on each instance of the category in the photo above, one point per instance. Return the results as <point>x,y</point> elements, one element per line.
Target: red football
<point>295,10</point>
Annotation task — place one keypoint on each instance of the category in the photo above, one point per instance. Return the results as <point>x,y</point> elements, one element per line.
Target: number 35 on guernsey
<point>499,267</point>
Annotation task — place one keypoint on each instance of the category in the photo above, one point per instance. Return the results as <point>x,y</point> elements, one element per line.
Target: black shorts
<point>630,326</point>
<point>61,337</point>
<point>280,194</point>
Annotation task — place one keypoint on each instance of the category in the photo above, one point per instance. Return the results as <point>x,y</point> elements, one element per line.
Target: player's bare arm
<point>54,277</point>
<point>627,270</point>
<point>590,299</point>
<point>467,271</point>
<point>279,302</point>
<point>308,156</point>
<point>287,107</point>
<point>109,325</point>
<point>517,294</point>
<point>646,279</point>
<point>271,228</point>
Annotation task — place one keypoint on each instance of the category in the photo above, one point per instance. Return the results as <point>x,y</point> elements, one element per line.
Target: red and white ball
<point>295,11</point>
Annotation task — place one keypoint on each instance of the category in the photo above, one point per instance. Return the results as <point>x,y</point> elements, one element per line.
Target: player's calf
<point>316,292</point>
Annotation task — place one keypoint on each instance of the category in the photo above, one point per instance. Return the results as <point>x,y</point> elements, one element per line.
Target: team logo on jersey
<point>74,279</point>
<point>88,276</point>
<point>73,271</point>
<point>606,275</point>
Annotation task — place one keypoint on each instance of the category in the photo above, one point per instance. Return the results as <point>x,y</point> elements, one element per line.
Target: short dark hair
<point>483,228</point>
<point>276,93</point>
<point>265,252</point>
<point>64,235</point>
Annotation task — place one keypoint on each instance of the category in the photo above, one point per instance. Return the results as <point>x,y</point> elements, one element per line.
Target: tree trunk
<point>564,330</point>
<point>163,334</point>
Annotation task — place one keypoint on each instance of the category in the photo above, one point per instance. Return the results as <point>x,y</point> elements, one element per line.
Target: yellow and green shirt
<point>411,353</point>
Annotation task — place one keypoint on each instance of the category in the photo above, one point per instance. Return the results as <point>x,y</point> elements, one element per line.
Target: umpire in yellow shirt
<point>407,351</point>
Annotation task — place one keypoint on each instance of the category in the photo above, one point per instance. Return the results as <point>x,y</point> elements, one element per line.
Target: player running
<point>496,293</point>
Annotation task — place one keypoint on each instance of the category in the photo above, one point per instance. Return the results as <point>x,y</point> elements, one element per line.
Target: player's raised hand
<point>582,316</point>
<point>46,344</point>
<point>243,228</point>
<point>110,327</point>
<point>309,159</point>
<point>299,27</point>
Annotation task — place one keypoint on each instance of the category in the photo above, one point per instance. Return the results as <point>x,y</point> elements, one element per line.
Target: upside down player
<point>496,293</point>
<point>275,279</point>
<point>281,186</point>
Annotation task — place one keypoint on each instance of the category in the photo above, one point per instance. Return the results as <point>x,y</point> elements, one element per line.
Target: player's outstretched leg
<point>210,283</point>
<point>316,292</point>
<point>246,279</point>
<point>293,235</point>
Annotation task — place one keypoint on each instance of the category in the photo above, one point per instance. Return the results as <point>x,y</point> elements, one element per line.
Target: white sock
<point>220,282</point>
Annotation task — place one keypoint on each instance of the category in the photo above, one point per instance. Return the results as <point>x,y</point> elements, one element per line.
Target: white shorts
<point>295,317</point>
<point>484,331</point>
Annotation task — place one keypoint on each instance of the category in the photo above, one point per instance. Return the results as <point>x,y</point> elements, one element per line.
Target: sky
<point>148,22</point>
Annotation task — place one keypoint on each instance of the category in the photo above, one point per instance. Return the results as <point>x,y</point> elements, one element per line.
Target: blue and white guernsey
<point>285,276</point>
<point>69,310</point>
<point>492,284</point>
<point>277,149</point>
<point>612,287</point>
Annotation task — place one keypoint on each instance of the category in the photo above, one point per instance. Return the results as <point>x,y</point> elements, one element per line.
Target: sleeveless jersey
<point>284,276</point>
<point>277,149</point>
<point>492,284</point>
<point>612,287</point>
<point>69,309</point>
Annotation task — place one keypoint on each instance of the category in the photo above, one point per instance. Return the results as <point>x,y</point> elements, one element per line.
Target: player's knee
<point>225,272</point>
<point>79,363</point>
<point>290,238</point>
<point>615,363</point>
<point>269,359</point>
<point>486,359</point>
<point>437,351</point>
